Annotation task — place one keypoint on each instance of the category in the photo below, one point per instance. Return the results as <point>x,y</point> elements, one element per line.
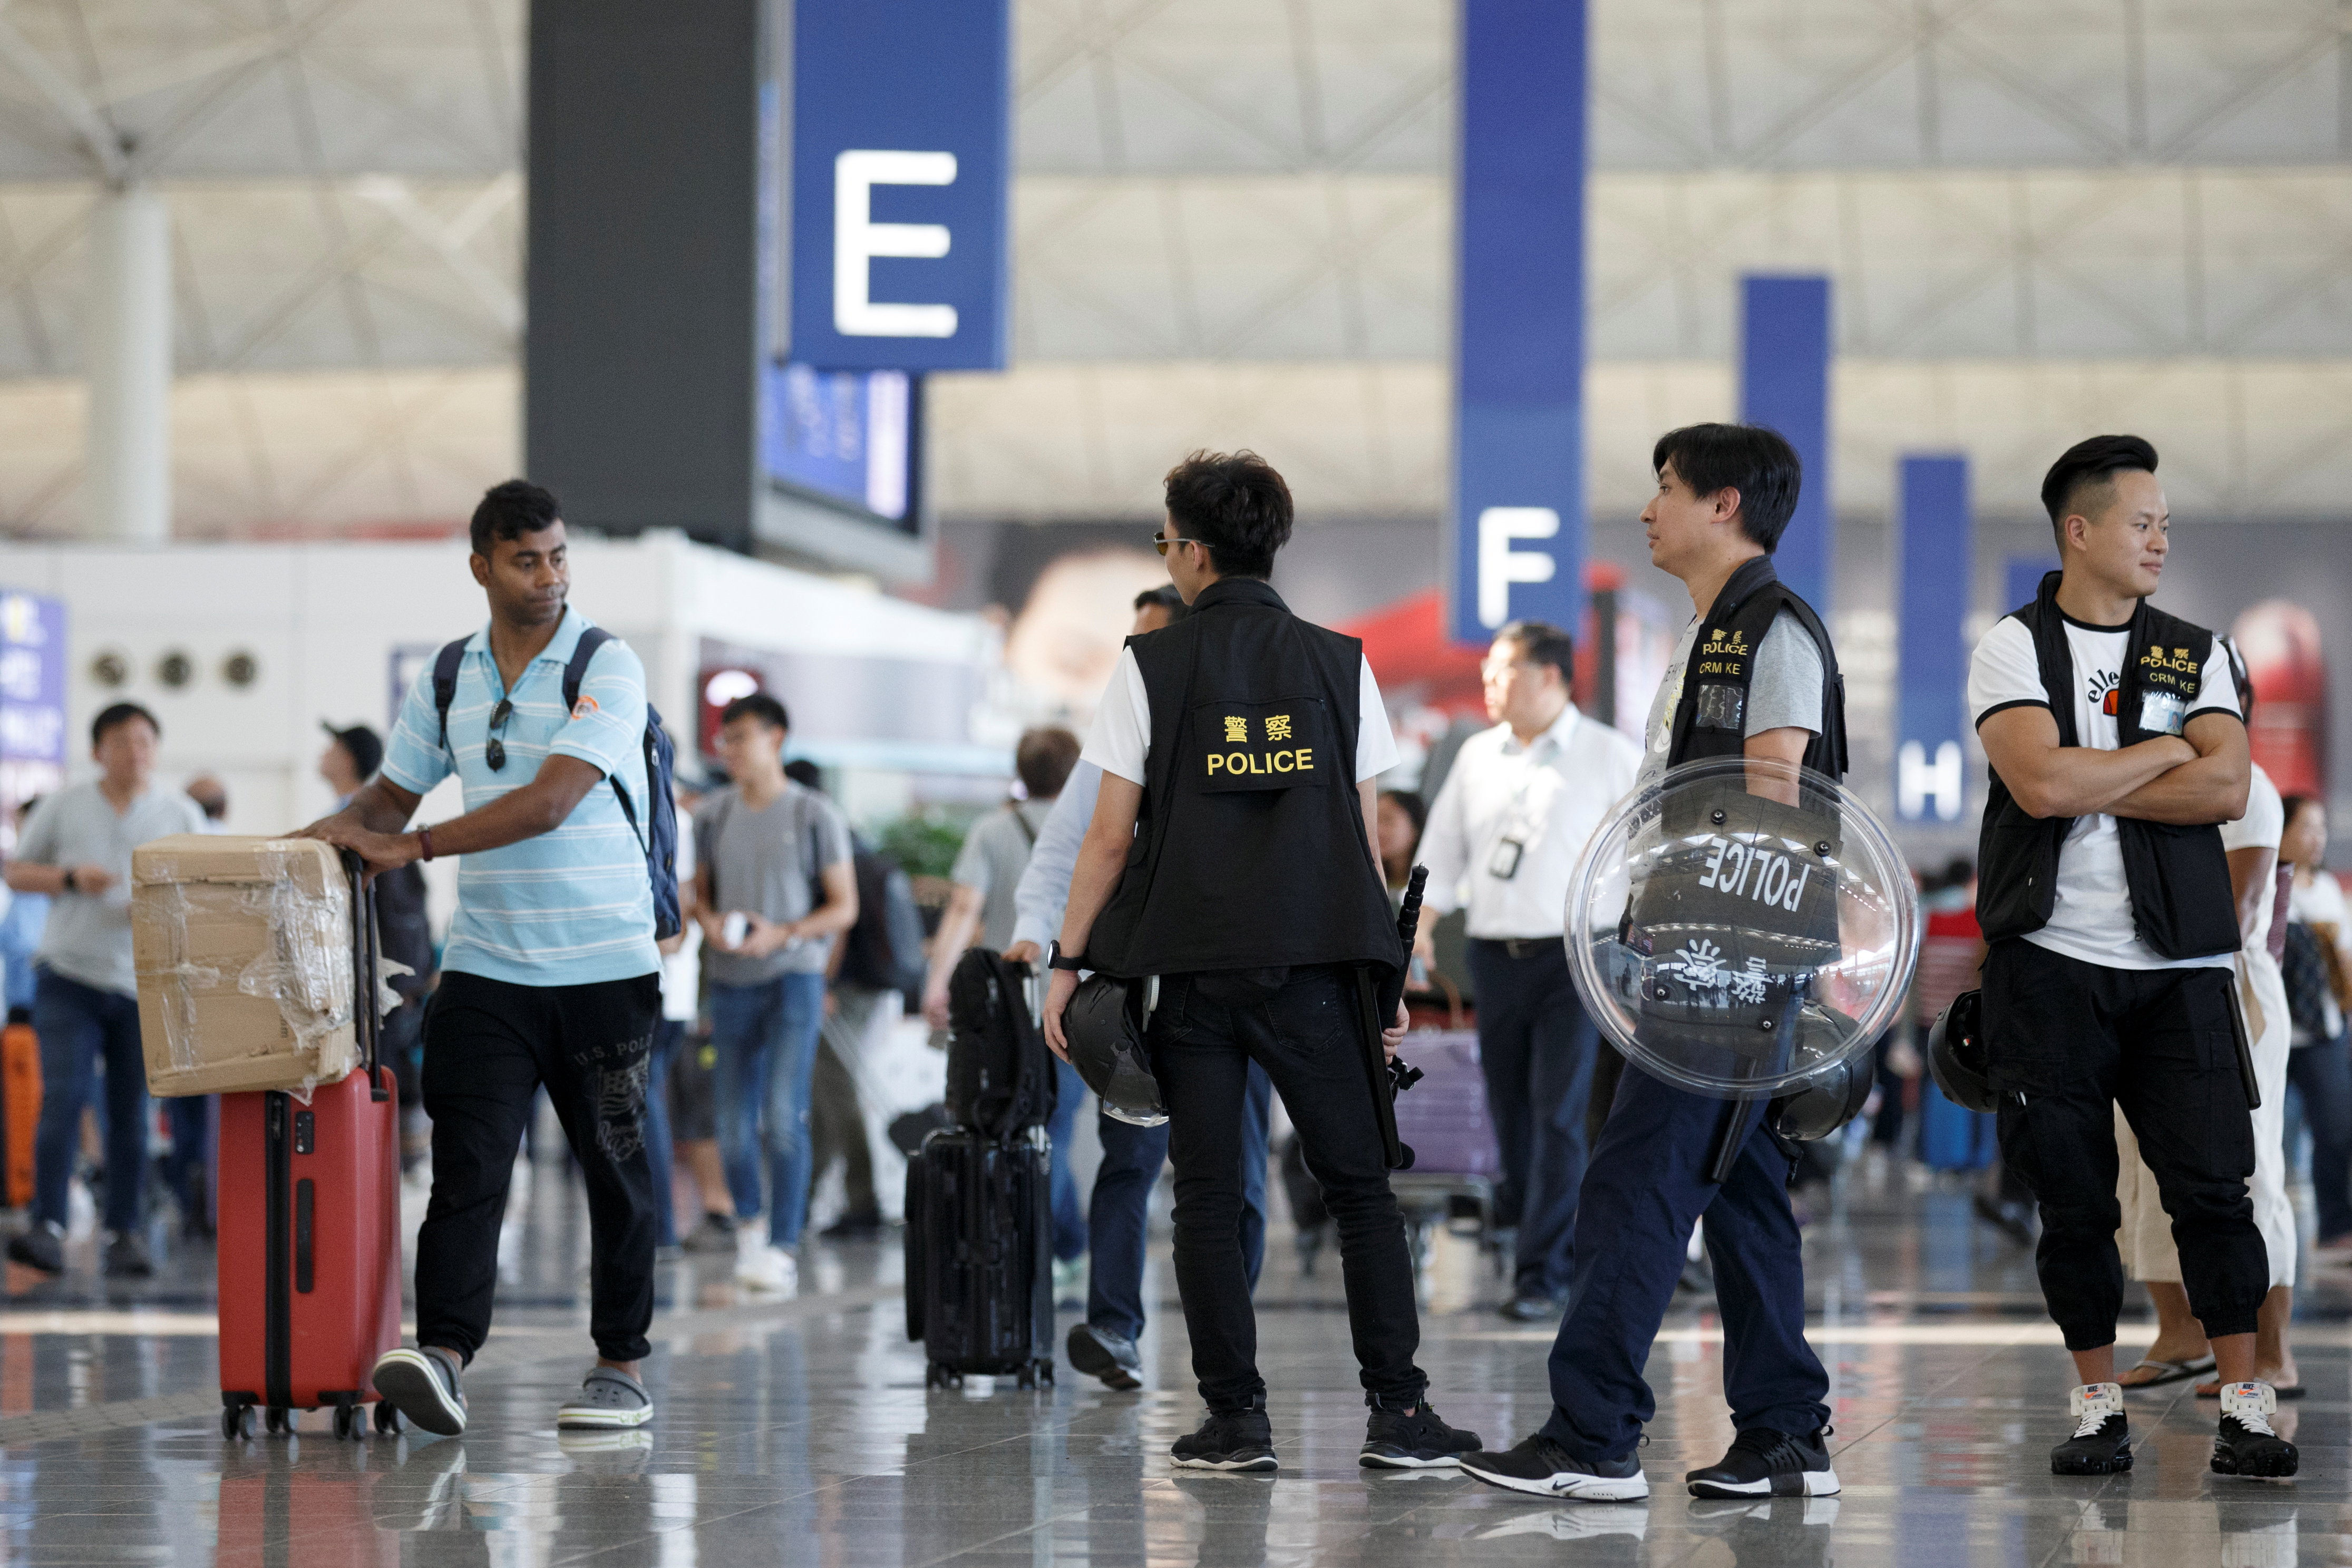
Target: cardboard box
<point>243,948</point>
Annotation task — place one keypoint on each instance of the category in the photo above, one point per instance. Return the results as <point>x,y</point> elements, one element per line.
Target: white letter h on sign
<point>1499,564</point>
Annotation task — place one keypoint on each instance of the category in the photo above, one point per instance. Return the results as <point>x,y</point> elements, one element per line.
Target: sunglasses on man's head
<point>494,750</point>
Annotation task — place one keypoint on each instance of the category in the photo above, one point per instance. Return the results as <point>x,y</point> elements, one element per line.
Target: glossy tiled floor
<point>801,1433</point>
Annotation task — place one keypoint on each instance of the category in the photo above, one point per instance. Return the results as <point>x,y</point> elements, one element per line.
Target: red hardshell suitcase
<point>310,1234</point>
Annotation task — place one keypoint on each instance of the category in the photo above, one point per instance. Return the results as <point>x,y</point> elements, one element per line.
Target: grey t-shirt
<point>766,863</point>
<point>1786,691</point>
<point>995,854</point>
<point>89,938</point>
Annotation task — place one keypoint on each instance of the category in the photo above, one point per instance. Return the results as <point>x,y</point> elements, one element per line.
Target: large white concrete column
<point>127,355</point>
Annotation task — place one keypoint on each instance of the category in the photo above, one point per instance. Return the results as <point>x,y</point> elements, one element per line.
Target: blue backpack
<point>659,834</point>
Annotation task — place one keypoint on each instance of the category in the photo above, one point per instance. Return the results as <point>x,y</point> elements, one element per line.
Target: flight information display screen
<point>846,437</point>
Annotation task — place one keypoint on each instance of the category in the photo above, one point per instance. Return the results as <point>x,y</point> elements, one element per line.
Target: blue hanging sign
<point>901,142</point>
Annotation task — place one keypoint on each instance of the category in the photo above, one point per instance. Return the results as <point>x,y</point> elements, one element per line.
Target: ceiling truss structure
<point>1233,224</point>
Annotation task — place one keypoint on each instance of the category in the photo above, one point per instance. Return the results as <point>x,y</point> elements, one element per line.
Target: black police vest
<point>1250,852</point>
<point>1711,718</point>
<point>2177,877</point>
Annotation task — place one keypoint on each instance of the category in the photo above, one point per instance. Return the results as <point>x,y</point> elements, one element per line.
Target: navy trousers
<point>1121,1216</point>
<point>1646,1186</point>
<point>1536,1049</point>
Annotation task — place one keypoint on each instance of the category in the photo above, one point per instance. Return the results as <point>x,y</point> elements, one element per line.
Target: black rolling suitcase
<point>980,1261</point>
<point>980,1205</point>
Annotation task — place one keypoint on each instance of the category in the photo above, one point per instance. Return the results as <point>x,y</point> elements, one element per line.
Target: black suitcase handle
<point>365,1018</point>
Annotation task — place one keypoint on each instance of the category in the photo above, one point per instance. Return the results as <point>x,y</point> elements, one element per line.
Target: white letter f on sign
<point>1499,564</point>
<point>857,239</point>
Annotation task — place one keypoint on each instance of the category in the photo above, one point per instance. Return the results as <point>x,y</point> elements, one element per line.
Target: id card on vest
<point>2170,679</point>
<point>1262,745</point>
<point>1719,665</point>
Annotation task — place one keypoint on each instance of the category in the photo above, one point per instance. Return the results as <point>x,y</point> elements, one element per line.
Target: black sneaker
<point>422,1384</point>
<point>127,1258</point>
<point>1228,1440</point>
<point>1541,1468</point>
<point>1420,1441</point>
<point>2245,1445</point>
<point>714,1233</point>
<point>1098,1353</point>
<point>2101,1445</point>
<point>1762,1462</point>
<point>43,1247</point>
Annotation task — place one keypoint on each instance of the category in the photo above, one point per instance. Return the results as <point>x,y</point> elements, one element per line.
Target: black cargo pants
<point>488,1047</point>
<point>2069,1043</point>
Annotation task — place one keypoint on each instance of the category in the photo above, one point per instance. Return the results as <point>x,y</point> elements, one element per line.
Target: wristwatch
<point>69,880</point>
<point>1057,959</point>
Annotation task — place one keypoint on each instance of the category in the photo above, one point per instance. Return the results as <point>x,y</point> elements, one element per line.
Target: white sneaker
<point>761,1267</point>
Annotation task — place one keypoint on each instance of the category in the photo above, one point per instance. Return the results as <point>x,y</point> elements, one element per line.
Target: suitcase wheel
<point>239,1421</point>
<point>350,1423</point>
<point>387,1419</point>
<point>1036,1375</point>
<point>277,1420</point>
<point>940,1375</point>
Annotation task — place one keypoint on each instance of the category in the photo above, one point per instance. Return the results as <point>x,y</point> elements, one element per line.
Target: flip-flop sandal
<point>2293,1391</point>
<point>2171,1372</point>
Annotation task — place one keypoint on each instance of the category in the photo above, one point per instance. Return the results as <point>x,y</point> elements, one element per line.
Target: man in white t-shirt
<point>2116,749</point>
<point>1232,855</point>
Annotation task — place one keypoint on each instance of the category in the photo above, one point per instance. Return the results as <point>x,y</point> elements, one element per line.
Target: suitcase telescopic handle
<point>365,1015</point>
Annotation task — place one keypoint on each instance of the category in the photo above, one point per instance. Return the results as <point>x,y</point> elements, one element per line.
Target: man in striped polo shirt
<point>550,976</point>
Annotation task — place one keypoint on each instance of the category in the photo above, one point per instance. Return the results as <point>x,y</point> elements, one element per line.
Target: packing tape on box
<point>306,970</point>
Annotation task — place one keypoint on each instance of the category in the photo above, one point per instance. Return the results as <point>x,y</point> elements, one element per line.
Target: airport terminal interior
<point>863,349</point>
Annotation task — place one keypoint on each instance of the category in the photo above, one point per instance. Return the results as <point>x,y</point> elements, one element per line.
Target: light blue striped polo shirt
<point>571,907</point>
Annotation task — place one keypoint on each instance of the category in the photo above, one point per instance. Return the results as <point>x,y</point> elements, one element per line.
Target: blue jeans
<point>78,1024</point>
<point>668,1035</point>
<point>1069,1210</point>
<point>766,1035</point>
<point>1122,1208</point>
<point>1646,1186</point>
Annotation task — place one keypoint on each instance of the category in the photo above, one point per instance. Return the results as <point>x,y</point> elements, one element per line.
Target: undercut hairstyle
<point>2086,466</point>
<point>759,706</point>
<point>1236,504</point>
<point>1757,462</point>
<point>1166,597</point>
<point>1541,643</point>
<point>1044,760</point>
<point>511,510</point>
<point>119,714</point>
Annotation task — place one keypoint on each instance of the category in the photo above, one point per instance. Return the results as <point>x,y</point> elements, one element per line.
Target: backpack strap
<point>445,665</point>
<point>576,670</point>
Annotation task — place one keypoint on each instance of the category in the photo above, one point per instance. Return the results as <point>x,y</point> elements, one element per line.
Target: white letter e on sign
<point>857,239</point>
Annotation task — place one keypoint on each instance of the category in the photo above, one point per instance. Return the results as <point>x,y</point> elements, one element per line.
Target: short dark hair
<point>1411,803</point>
<point>1166,597</point>
<point>2240,676</point>
<point>1543,643</point>
<point>759,706</point>
<point>118,715</point>
<point>1236,504</point>
<point>511,510</point>
<point>1043,759</point>
<point>2087,463</point>
<point>2291,807</point>
<point>1757,462</point>
<point>805,774</point>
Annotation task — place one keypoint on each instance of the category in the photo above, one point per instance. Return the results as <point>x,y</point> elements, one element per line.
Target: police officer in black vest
<point>1765,687</point>
<point>2116,748</point>
<point>1231,855</point>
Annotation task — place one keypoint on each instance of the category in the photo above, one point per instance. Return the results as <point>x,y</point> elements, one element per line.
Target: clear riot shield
<point>1741,929</point>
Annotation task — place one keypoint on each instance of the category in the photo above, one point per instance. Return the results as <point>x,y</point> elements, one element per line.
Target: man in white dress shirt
<point>1518,806</point>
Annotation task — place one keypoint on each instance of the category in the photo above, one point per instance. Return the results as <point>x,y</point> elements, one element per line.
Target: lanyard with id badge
<point>1519,829</point>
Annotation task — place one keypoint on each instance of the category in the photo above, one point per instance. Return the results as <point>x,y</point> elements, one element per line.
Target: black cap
<point>365,746</point>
